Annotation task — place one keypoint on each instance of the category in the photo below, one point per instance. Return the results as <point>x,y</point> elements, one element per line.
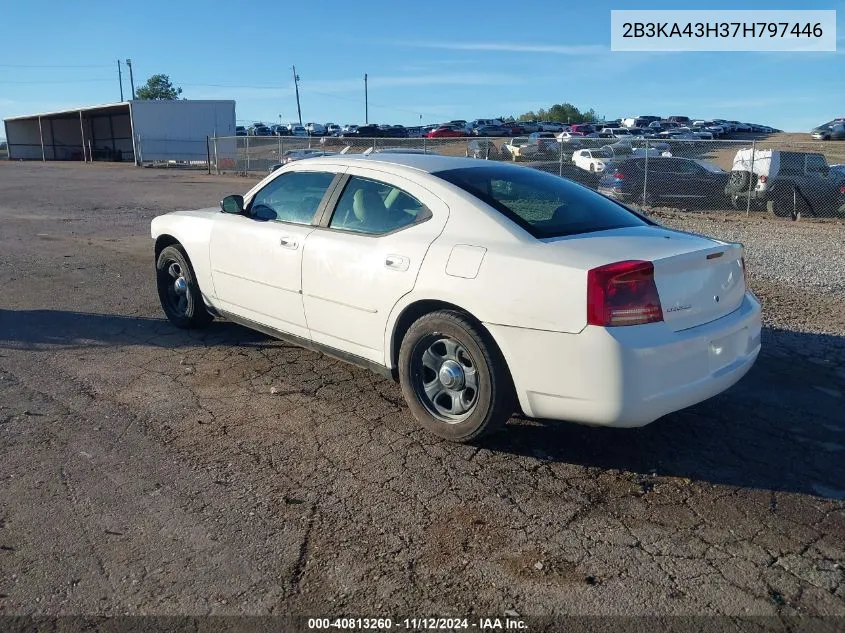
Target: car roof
<point>428,163</point>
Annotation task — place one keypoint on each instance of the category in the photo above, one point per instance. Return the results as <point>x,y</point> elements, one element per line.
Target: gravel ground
<point>147,470</point>
<point>808,254</point>
<point>795,267</point>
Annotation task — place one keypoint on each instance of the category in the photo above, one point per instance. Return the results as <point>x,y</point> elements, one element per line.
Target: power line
<point>235,86</point>
<point>58,81</point>
<point>53,66</point>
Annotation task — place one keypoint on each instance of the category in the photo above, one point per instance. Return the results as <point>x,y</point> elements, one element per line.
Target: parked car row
<point>785,183</point>
<point>673,127</point>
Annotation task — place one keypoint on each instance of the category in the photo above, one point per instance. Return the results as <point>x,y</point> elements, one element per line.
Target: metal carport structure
<point>102,132</point>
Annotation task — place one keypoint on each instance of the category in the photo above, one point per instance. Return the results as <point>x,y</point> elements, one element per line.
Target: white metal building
<point>139,131</point>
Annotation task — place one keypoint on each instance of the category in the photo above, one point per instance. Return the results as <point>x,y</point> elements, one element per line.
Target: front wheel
<point>178,291</point>
<point>454,378</point>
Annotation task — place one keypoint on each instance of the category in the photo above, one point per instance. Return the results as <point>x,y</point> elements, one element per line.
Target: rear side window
<point>543,204</point>
<point>816,164</point>
<point>373,207</point>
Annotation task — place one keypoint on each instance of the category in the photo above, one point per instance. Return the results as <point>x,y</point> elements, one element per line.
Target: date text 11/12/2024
<point>418,624</point>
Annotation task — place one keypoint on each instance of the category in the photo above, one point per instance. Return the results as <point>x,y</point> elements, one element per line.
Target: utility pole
<point>131,77</point>
<point>366,103</point>
<point>120,79</point>
<point>296,85</point>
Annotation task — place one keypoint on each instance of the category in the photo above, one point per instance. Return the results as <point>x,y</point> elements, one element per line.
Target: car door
<point>365,256</point>
<point>817,187</point>
<point>699,183</point>
<point>256,257</point>
<point>660,180</point>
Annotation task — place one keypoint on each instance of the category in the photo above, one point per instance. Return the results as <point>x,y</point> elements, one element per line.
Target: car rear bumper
<point>616,194</point>
<point>628,376</point>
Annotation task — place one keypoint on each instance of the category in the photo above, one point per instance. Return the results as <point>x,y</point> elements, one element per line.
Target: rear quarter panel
<point>520,282</point>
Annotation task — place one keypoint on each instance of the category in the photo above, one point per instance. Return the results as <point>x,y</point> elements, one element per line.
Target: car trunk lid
<point>698,279</point>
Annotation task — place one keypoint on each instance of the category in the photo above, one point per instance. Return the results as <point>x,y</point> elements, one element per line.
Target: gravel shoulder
<point>152,471</point>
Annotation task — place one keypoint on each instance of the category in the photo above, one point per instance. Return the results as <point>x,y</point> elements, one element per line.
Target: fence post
<point>424,139</point>
<point>208,154</point>
<point>246,167</point>
<point>645,174</point>
<point>560,158</point>
<point>216,158</point>
<point>280,148</point>
<point>750,179</point>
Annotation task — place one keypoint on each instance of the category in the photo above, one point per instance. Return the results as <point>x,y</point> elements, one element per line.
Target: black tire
<point>740,202</point>
<point>184,310</point>
<point>780,206</point>
<point>739,181</point>
<point>494,401</point>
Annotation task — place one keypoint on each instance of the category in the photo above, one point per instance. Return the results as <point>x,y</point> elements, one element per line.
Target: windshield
<point>543,204</point>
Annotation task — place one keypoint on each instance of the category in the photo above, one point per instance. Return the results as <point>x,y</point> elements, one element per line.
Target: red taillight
<point>619,176</point>
<point>763,178</point>
<point>623,293</point>
<point>842,189</point>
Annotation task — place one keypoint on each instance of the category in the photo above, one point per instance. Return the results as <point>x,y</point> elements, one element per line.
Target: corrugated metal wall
<point>177,130</point>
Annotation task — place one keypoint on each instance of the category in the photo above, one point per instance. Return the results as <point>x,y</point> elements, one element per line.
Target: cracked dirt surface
<point>147,470</point>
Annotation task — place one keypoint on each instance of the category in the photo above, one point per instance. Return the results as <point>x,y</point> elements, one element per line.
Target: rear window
<point>543,204</point>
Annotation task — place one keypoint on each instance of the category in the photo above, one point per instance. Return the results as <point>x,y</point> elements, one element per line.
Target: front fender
<point>192,230</point>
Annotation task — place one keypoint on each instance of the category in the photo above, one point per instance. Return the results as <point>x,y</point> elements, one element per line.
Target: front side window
<point>292,197</point>
<point>373,207</point>
<point>543,204</point>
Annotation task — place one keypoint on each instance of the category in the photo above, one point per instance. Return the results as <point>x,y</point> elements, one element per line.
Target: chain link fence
<point>786,179</point>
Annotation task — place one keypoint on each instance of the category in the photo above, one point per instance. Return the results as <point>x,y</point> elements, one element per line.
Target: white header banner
<point>708,30</point>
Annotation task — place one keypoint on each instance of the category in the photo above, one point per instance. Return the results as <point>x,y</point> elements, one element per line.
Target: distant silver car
<point>830,131</point>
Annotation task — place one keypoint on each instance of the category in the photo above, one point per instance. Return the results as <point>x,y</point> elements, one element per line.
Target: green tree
<point>158,88</point>
<point>560,113</point>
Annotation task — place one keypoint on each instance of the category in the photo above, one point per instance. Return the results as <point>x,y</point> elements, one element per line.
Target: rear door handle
<point>289,242</point>
<point>397,262</point>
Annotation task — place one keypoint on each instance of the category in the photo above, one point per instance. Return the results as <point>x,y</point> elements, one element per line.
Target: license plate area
<point>725,350</point>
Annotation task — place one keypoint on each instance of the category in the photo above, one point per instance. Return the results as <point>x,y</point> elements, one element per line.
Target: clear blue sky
<point>438,59</point>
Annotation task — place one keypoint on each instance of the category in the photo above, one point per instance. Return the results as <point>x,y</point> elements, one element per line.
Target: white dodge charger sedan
<point>482,287</point>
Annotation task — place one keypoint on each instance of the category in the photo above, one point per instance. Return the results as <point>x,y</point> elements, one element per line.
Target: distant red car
<point>582,129</point>
<point>445,132</point>
<point>514,128</point>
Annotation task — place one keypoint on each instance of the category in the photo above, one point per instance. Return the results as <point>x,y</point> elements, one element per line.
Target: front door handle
<point>289,242</point>
<point>397,262</point>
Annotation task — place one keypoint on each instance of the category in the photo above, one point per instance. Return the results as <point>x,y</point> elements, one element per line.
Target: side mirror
<point>232,204</point>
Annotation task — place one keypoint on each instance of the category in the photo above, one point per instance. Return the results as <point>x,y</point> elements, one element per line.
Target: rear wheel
<point>178,291</point>
<point>454,377</point>
<point>780,205</point>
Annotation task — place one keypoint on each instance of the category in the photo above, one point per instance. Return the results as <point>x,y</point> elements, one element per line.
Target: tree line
<point>558,113</point>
